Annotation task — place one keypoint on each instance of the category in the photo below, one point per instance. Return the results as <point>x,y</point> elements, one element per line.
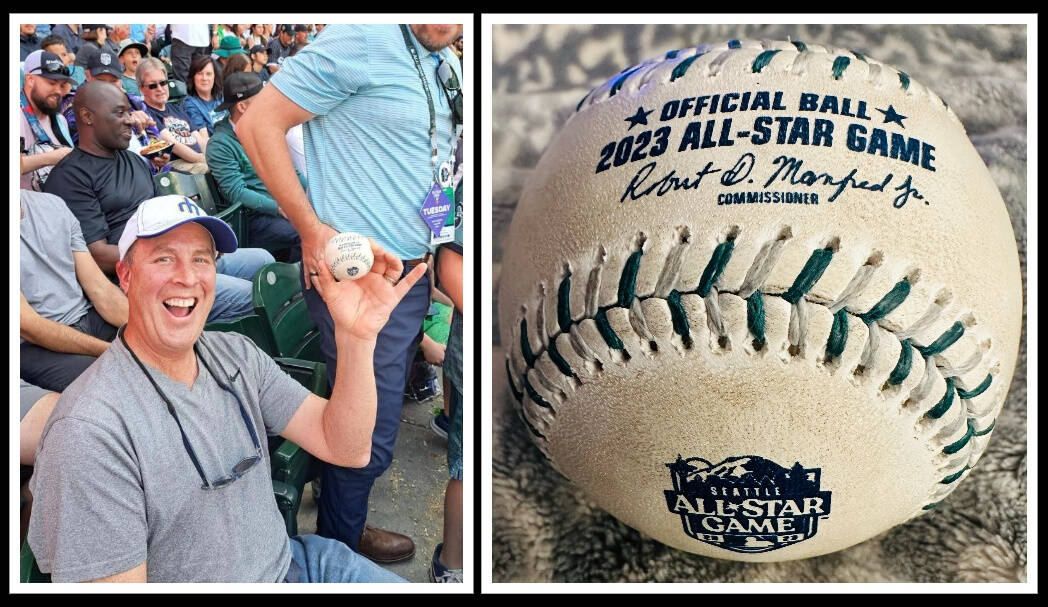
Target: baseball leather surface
<point>766,300</point>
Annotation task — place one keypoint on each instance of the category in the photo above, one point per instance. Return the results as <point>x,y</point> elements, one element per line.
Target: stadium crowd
<point>169,174</point>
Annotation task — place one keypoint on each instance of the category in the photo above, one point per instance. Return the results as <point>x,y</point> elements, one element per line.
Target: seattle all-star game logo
<point>747,504</point>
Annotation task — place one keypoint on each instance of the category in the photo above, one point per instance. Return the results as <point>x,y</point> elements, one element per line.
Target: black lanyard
<point>434,159</point>
<point>171,407</point>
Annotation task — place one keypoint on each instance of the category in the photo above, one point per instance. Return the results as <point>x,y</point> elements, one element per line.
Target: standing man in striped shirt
<point>380,132</point>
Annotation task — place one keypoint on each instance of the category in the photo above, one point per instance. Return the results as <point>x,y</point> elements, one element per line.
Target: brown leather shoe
<point>384,546</point>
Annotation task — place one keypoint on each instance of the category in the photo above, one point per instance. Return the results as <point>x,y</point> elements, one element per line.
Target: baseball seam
<point>760,57</point>
<point>540,370</point>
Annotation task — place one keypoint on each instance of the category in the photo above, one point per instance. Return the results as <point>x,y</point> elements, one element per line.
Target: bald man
<point>102,183</point>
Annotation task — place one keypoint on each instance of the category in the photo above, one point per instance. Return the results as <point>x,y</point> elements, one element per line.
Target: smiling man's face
<point>170,284</point>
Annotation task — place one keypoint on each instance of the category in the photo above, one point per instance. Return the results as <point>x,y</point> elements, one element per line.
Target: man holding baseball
<point>152,466</point>
<point>378,103</point>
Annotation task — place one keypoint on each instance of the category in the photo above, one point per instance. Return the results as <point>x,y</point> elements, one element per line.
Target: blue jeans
<point>316,559</point>
<point>343,506</point>
<point>233,283</point>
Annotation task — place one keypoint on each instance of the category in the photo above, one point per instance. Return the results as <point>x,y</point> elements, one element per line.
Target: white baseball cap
<point>159,215</point>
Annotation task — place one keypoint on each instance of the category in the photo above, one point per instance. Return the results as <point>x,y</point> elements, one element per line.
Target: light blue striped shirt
<point>368,149</point>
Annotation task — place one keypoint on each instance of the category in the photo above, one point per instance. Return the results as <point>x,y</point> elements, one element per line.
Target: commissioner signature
<point>786,169</point>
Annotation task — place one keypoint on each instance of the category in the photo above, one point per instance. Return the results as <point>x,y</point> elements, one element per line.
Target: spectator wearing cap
<point>204,94</point>
<point>301,37</point>
<point>130,55</point>
<point>71,34</point>
<point>103,183</point>
<point>44,132</point>
<point>187,40</point>
<point>28,39</point>
<point>280,46</point>
<point>227,47</point>
<point>259,58</point>
<point>170,118</point>
<point>95,37</point>
<point>105,67</point>
<point>69,310</point>
<point>152,467</point>
<point>237,179</point>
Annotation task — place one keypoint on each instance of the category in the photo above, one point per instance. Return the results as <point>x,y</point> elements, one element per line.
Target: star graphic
<point>641,117</point>
<point>890,115</point>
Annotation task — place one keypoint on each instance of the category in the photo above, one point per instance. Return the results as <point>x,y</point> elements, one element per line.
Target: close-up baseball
<point>349,256</point>
<point>765,301</point>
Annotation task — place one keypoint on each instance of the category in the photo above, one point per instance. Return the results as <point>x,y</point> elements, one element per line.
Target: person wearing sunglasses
<point>173,121</point>
<point>376,113</point>
<point>152,465</point>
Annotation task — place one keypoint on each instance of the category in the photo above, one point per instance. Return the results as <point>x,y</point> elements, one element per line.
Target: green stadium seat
<point>203,190</point>
<point>30,573</point>
<point>288,500</point>
<point>251,326</point>
<point>278,299</point>
<point>291,464</point>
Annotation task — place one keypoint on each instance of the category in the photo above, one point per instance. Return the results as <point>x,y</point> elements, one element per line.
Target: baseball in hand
<point>349,255</point>
<point>761,300</point>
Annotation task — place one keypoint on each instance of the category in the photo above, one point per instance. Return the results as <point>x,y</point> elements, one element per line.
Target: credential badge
<point>747,504</point>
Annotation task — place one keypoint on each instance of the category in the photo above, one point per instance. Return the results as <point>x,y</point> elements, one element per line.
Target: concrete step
<point>409,497</point>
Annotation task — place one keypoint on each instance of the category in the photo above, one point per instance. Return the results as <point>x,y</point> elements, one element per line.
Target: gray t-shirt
<point>114,485</point>
<point>50,233</point>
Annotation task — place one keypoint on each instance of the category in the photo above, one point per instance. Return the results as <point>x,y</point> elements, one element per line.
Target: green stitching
<point>628,280</point>
<point>904,79</point>
<point>564,304</point>
<point>516,394</point>
<point>943,405</point>
<point>902,368</point>
<point>965,394</point>
<point>838,334</point>
<point>558,360</point>
<point>839,65</point>
<point>762,60</point>
<point>535,395</point>
<point>800,45</point>
<point>618,83</point>
<point>525,346</point>
<point>606,331</point>
<point>860,56</point>
<point>811,274</point>
<point>930,506</point>
<point>715,267</point>
<point>682,68</point>
<point>987,430</point>
<point>955,447</point>
<point>734,44</point>
<point>530,427</point>
<point>680,319</point>
<point>888,303</point>
<point>945,340</point>
<point>953,477</point>
<point>755,318</point>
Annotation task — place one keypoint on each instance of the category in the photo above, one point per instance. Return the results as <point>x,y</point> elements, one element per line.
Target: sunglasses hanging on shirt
<point>452,90</point>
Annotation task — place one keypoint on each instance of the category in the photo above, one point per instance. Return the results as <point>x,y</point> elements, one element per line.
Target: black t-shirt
<point>102,193</point>
<point>174,119</point>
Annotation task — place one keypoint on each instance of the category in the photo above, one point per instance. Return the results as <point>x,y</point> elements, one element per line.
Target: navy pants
<point>277,233</point>
<point>343,505</point>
